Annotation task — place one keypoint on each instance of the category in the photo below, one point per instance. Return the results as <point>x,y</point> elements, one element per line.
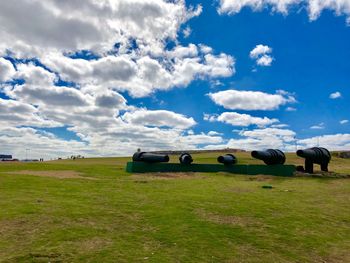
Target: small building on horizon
<point>5,157</point>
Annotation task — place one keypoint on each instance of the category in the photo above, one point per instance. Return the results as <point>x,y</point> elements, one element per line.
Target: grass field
<point>91,210</point>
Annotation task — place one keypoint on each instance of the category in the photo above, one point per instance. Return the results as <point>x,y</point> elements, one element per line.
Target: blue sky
<point>311,60</point>
<point>106,80</point>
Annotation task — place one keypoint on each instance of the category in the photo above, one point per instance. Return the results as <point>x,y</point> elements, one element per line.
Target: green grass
<point>118,217</point>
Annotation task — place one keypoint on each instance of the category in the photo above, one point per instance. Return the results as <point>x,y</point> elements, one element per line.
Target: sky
<point>104,78</point>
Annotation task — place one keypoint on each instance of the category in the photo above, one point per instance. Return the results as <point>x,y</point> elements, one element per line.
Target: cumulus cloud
<point>111,99</point>
<point>291,109</point>
<point>264,60</point>
<point>331,141</point>
<point>41,144</point>
<point>71,64</point>
<point>92,114</point>
<point>242,120</point>
<point>126,38</point>
<point>235,6</point>
<point>261,54</point>
<point>251,100</point>
<point>39,89</point>
<point>335,95</point>
<point>260,50</point>
<point>187,32</point>
<point>260,139</point>
<point>7,71</point>
<point>214,133</point>
<point>319,126</point>
<point>94,25</point>
<point>314,7</point>
<point>287,135</point>
<point>159,118</point>
<point>284,139</point>
<point>281,125</point>
<point>15,113</point>
<point>205,49</point>
<point>34,75</point>
<point>48,83</point>
<point>108,137</point>
<point>142,74</point>
<point>55,96</point>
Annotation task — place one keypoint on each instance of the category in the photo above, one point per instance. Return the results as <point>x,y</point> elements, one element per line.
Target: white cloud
<point>181,51</point>
<point>40,144</point>
<point>109,137</point>
<point>261,139</point>
<point>127,37</point>
<point>140,74</point>
<point>159,118</point>
<point>335,95</point>
<point>287,135</point>
<point>218,66</point>
<point>284,139</point>
<point>291,109</point>
<point>110,99</point>
<point>93,114</point>
<point>7,71</point>
<point>344,121</point>
<point>319,126</point>
<point>127,42</point>
<point>250,100</point>
<point>89,99</point>
<point>93,25</point>
<point>35,75</point>
<point>15,113</point>
<point>112,68</point>
<point>332,141</point>
<point>314,7</point>
<point>214,133</point>
<point>139,29</point>
<point>261,54</point>
<point>281,125</point>
<point>235,6</point>
<point>39,89</point>
<point>187,142</point>
<point>264,60</point>
<point>187,32</point>
<point>260,50</point>
<point>205,49</point>
<point>242,120</point>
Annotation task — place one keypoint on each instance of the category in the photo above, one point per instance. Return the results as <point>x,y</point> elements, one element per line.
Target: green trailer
<point>248,169</point>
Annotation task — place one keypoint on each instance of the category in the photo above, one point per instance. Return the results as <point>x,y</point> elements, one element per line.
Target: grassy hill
<point>90,210</point>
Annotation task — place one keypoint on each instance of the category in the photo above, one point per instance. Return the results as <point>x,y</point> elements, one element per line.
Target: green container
<point>277,170</point>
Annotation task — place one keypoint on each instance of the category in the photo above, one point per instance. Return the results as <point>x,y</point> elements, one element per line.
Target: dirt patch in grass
<point>53,174</point>
<point>95,244</point>
<point>336,256</point>
<point>240,221</point>
<point>20,232</point>
<point>12,227</point>
<point>319,174</point>
<point>260,178</point>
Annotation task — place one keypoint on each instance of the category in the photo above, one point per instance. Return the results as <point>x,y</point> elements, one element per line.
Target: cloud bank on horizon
<point>103,78</point>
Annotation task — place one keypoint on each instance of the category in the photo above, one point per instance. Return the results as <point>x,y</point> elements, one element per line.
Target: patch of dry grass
<point>235,220</point>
